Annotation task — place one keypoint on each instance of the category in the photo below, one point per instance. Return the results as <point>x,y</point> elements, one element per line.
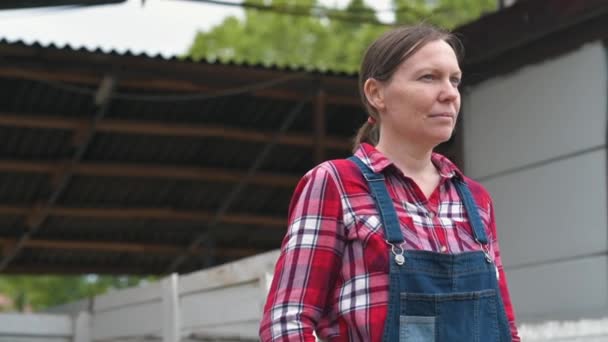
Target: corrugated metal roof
<point>20,4</point>
<point>174,58</point>
<point>112,207</point>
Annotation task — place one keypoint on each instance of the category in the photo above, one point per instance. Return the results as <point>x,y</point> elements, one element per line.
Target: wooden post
<point>82,327</point>
<point>171,317</point>
<point>319,126</point>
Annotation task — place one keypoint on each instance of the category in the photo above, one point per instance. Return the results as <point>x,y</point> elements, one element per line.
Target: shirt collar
<point>378,162</point>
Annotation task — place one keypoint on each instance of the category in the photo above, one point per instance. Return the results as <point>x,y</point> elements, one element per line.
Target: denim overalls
<point>436,297</point>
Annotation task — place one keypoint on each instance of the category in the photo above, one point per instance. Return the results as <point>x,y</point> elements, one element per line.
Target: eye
<point>455,81</point>
<point>427,77</point>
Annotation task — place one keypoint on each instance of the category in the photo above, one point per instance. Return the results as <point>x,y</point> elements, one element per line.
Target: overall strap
<point>392,231</point>
<point>390,222</point>
<point>472,211</point>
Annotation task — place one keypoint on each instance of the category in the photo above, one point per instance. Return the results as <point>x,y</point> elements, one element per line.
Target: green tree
<point>445,13</point>
<point>39,292</point>
<point>318,38</point>
<point>346,40</point>
<point>271,38</point>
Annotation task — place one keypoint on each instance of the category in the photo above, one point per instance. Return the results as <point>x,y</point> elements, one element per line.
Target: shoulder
<point>477,189</point>
<point>339,177</point>
<point>480,194</point>
<point>322,190</point>
<point>338,170</point>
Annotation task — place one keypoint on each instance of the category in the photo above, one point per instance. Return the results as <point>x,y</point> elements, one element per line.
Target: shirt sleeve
<point>502,283</point>
<point>309,261</point>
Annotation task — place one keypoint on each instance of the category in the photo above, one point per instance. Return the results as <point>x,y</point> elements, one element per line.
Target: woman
<point>394,243</point>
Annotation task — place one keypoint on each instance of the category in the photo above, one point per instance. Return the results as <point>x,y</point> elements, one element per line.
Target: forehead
<point>435,55</point>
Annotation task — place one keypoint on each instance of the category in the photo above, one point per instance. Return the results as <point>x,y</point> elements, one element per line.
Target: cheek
<point>423,101</point>
<point>395,102</point>
<point>410,100</point>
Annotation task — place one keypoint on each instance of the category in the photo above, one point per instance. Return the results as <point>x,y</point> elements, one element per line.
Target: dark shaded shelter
<point>123,163</point>
<point>119,163</point>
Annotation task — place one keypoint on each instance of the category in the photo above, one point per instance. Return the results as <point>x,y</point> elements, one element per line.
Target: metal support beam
<point>36,220</point>
<point>57,169</point>
<point>158,128</point>
<point>167,214</point>
<point>125,247</point>
<point>238,188</point>
<point>88,77</point>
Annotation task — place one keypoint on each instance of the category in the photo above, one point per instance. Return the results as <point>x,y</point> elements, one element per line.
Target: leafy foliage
<point>320,40</point>
<point>39,292</point>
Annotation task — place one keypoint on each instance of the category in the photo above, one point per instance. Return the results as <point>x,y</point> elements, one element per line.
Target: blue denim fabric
<point>417,328</point>
<point>435,297</point>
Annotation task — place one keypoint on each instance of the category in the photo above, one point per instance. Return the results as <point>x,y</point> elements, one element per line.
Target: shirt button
<point>443,249</point>
<point>431,215</point>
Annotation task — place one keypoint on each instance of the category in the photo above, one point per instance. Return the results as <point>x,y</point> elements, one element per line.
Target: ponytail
<point>368,133</point>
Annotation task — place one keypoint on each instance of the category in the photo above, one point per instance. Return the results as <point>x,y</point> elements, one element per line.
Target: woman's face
<point>421,101</point>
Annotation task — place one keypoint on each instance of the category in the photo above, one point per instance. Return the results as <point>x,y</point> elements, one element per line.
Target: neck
<point>412,159</point>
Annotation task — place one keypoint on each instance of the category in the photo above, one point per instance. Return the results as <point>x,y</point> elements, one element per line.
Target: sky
<point>165,27</point>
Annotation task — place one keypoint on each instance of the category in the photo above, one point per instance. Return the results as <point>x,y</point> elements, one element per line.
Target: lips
<point>442,115</point>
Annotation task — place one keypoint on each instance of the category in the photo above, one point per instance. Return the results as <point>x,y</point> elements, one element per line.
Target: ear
<point>374,94</point>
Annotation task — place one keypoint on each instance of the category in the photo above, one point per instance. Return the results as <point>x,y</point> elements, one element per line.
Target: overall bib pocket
<point>453,317</point>
<point>417,328</point>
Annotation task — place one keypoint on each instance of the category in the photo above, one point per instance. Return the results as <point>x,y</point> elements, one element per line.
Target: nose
<point>449,92</point>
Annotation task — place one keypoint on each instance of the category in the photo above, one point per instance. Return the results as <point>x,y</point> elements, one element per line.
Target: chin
<point>441,137</point>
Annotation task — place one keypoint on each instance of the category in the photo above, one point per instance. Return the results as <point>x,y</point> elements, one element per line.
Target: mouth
<point>442,115</point>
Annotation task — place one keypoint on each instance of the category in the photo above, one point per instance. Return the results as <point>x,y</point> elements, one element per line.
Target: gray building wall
<point>536,138</point>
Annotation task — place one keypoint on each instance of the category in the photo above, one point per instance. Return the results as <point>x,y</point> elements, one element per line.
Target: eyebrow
<point>432,69</point>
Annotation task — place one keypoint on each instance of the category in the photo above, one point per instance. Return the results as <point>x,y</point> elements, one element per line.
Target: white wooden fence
<point>36,328</point>
<point>220,304</point>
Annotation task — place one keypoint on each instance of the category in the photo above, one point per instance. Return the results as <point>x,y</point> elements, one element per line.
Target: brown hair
<point>383,57</point>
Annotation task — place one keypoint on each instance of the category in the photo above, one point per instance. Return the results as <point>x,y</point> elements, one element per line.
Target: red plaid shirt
<point>332,274</point>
